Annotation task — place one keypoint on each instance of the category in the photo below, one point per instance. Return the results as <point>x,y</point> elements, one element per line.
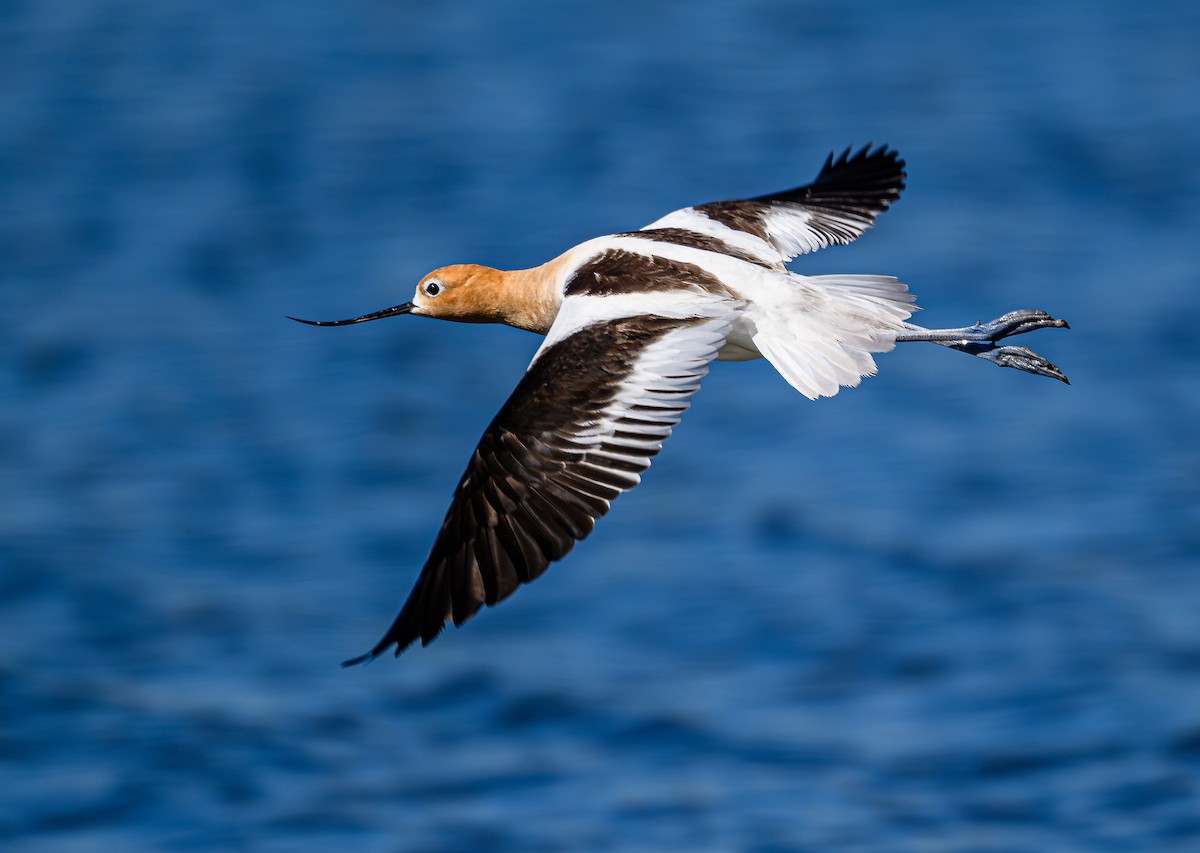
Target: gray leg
<point>980,340</point>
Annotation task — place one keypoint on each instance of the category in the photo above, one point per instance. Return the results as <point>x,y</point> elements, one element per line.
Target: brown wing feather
<point>542,473</point>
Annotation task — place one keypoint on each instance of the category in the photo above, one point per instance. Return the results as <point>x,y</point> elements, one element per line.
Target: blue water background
<point>956,608</point>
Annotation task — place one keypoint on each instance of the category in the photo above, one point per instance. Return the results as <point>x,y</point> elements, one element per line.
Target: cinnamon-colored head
<point>468,293</point>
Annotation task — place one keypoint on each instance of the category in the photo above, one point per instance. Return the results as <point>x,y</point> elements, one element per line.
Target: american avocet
<point>631,322</point>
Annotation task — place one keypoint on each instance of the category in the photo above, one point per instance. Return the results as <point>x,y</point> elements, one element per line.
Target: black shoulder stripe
<point>695,240</point>
<point>748,216</point>
<point>617,271</point>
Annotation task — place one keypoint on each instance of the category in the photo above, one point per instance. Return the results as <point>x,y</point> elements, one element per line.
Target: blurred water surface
<point>953,609</point>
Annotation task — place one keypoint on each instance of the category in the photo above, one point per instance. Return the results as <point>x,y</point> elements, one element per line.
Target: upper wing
<point>595,405</point>
<point>837,207</point>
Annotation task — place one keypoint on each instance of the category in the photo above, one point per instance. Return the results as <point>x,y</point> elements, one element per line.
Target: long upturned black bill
<point>406,308</point>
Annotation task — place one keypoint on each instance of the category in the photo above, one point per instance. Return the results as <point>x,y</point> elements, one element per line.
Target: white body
<point>819,332</point>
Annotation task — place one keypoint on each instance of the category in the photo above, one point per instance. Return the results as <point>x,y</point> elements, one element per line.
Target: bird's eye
<point>432,288</point>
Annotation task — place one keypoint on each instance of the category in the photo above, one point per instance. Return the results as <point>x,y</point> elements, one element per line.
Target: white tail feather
<point>825,341</point>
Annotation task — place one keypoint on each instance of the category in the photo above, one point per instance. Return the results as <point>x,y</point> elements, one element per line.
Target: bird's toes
<point>1024,359</point>
<point>1020,322</point>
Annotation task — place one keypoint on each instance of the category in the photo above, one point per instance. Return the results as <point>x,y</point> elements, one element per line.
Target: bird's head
<point>467,293</point>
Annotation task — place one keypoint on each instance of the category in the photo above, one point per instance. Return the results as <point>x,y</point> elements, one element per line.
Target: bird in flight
<point>631,322</point>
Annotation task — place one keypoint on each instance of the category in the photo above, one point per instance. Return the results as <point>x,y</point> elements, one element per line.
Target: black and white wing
<point>837,207</point>
<point>596,403</point>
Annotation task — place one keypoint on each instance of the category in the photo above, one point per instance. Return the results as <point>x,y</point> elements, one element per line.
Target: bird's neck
<point>531,297</point>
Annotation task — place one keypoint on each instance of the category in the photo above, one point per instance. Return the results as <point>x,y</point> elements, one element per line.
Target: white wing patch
<point>790,229</point>
<point>653,396</point>
<point>578,312</point>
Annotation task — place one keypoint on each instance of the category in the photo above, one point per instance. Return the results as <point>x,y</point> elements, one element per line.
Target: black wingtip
<point>363,660</point>
<point>391,639</point>
<point>869,161</point>
<point>379,648</point>
<point>863,181</point>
